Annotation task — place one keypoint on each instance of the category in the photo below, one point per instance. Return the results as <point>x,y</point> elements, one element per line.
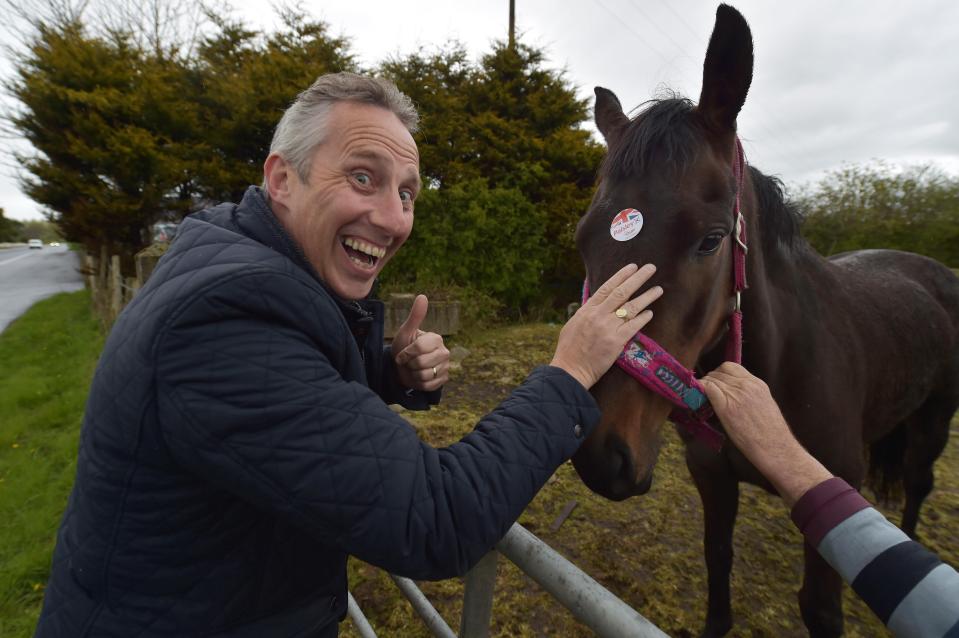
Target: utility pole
<point>512,24</point>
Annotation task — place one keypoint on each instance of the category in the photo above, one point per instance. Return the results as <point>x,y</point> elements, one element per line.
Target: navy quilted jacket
<point>237,447</point>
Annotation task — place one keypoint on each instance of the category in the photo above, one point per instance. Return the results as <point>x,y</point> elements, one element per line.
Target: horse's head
<point>674,164</point>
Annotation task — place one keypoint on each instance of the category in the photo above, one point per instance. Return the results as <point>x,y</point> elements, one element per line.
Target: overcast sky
<point>834,82</point>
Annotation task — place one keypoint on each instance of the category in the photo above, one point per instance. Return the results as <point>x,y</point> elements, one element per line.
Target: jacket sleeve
<point>251,400</point>
<point>907,586</point>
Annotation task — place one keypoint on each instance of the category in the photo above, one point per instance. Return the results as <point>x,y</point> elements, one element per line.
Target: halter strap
<point>650,364</point>
<point>734,345</point>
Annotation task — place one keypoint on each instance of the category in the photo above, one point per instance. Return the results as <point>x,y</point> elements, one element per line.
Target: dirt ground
<point>646,550</point>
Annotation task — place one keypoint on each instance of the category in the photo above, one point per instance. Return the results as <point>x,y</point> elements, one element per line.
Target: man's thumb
<point>407,332</point>
<point>714,393</point>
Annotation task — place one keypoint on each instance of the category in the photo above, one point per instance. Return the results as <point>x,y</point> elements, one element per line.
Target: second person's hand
<point>593,337</point>
<point>757,427</point>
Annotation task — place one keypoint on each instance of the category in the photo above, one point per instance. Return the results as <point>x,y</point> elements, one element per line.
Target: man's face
<point>356,209</point>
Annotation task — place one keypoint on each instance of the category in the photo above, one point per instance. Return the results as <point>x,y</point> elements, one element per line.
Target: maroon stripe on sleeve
<point>825,506</point>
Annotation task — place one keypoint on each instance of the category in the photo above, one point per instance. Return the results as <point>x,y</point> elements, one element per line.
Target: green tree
<point>882,206</point>
<point>39,229</point>
<point>463,236</point>
<point>106,120</point>
<point>129,129</point>
<point>243,81</point>
<point>11,230</point>
<point>506,123</point>
<point>530,121</point>
<point>440,84</point>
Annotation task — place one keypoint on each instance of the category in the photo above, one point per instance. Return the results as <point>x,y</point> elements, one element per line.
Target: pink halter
<point>650,364</point>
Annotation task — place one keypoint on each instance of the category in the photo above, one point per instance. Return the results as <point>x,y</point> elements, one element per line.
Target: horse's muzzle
<point>609,470</point>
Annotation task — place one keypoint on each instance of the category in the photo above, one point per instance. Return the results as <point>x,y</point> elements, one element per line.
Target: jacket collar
<point>255,219</point>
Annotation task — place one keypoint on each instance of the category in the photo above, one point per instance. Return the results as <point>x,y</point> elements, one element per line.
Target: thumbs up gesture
<point>422,360</point>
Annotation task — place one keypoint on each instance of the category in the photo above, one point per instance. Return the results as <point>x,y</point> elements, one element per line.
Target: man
<point>237,445</point>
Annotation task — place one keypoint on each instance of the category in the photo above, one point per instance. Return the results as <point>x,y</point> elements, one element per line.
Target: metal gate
<point>590,603</point>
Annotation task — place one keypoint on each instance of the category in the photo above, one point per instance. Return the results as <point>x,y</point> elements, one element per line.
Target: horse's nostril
<point>623,466</point>
<point>622,470</point>
<point>615,466</point>
<point>608,468</point>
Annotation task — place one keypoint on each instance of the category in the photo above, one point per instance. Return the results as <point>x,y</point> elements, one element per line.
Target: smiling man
<point>364,177</point>
<point>237,444</point>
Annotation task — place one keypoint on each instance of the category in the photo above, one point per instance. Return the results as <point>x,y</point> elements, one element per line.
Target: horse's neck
<point>787,284</point>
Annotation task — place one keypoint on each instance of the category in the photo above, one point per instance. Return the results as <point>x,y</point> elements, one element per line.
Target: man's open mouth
<point>361,253</point>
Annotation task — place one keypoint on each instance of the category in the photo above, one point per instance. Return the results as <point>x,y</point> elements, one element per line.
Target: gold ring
<point>434,372</point>
<point>622,313</point>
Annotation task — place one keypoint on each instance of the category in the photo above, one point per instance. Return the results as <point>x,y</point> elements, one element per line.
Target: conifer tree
<point>106,121</point>
<point>244,80</point>
<point>508,128</point>
<point>11,230</point>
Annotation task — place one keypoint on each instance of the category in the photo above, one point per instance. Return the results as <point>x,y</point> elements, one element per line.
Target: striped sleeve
<point>906,585</point>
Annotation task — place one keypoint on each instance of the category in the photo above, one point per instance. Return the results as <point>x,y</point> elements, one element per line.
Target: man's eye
<point>406,196</point>
<point>362,179</point>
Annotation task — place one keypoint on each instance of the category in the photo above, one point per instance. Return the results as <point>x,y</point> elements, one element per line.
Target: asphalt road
<point>29,275</point>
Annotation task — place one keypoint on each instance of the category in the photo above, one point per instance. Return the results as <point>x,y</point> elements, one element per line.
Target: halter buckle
<point>739,302</point>
<point>738,235</point>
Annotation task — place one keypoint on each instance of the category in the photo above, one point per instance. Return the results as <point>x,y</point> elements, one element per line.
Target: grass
<point>646,550</point>
<point>47,358</point>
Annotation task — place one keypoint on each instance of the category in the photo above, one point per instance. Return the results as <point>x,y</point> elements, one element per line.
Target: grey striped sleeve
<point>930,609</point>
<point>855,542</point>
<point>910,590</point>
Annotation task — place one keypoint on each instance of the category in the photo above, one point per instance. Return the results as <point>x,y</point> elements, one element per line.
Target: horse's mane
<point>778,217</point>
<point>665,133</point>
<point>661,131</point>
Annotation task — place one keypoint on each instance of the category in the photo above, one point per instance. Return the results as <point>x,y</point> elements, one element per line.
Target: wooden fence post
<point>116,288</point>
<point>90,268</point>
<point>103,266</point>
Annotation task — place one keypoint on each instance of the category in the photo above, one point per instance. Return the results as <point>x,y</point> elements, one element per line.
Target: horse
<point>860,350</point>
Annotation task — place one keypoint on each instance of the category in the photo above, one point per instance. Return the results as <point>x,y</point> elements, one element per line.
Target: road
<point>27,276</point>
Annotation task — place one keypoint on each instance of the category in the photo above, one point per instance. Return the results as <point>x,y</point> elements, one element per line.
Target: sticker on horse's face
<point>626,225</point>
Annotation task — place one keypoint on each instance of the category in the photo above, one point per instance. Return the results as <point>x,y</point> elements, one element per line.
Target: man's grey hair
<point>303,126</point>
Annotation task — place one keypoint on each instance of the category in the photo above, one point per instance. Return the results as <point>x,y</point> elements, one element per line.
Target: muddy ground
<point>646,550</point>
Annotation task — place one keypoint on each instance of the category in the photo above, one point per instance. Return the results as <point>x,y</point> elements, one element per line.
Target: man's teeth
<point>363,247</point>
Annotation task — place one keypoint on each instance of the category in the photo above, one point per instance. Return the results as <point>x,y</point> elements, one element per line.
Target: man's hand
<point>757,427</point>
<point>422,360</point>
<point>593,337</point>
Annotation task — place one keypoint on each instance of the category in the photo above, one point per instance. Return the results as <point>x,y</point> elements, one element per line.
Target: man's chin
<point>352,290</point>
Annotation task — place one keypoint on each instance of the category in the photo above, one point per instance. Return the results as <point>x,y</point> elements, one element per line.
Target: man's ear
<point>277,173</point>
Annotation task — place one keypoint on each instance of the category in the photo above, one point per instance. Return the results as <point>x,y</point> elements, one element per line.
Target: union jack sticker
<point>626,224</point>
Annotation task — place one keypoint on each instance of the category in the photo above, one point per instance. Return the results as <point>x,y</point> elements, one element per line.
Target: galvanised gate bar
<point>590,603</point>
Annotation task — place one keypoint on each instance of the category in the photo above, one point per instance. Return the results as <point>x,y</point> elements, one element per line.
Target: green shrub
<point>490,240</point>
<point>883,206</point>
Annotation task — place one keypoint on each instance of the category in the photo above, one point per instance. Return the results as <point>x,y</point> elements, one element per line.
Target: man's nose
<point>390,215</point>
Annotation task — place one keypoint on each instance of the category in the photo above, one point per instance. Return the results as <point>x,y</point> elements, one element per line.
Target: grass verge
<point>47,358</point>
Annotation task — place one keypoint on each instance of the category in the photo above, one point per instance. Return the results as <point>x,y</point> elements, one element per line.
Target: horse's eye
<point>710,243</point>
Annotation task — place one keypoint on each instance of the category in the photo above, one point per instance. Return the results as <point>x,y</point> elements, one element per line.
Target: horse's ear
<point>608,113</point>
<point>727,71</point>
